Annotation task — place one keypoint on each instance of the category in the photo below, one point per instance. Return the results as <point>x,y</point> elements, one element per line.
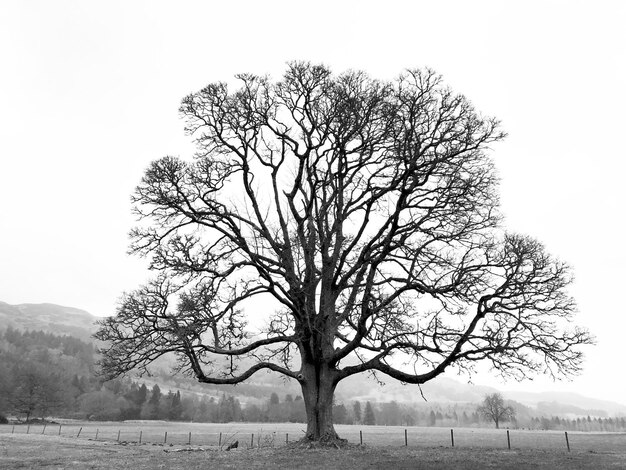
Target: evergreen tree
<point>142,394</point>
<point>356,409</point>
<point>229,409</point>
<point>203,415</point>
<point>273,409</point>
<point>155,403</point>
<point>235,407</point>
<point>175,409</point>
<point>368,417</point>
<point>340,414</point>
<point>298,413</point>
<point>224,411</point>
<point>432,418</point>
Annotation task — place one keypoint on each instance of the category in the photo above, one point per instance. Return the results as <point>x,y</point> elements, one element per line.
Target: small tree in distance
<point>494,409</point>
<point>356,221</point>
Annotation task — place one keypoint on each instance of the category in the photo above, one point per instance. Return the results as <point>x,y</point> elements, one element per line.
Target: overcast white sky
<point>89,93</point>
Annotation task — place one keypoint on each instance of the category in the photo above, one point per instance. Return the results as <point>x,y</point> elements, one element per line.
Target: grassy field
<point>383,447</point>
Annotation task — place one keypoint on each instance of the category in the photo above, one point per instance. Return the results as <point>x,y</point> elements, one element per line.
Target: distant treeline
<point>43,375</point>
<point>465,415</point>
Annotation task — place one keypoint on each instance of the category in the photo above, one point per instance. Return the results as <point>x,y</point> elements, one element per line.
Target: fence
<point>251,435</point>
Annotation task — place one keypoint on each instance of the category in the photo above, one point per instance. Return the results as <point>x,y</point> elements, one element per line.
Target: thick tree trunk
<point>318,388</point>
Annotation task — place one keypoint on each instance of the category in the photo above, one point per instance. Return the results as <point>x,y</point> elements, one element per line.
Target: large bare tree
<point>331,225</point>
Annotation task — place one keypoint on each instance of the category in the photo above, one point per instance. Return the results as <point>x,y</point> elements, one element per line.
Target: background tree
<point>154,403</point>
<point>101,405</point>
<point>359,218</point>
<point>356,409</point>
<point>494,409</point>
<point>35,391</point>
<point>27,396</point>
<point>390,414</point>
<point>432,418</point>
<point>369,418</point>
<point>273,408</point>
<point>229,409</point>
<point>298,413</point>
<point>175,406</point>
<point>53,394</point>
<point>340,414</point>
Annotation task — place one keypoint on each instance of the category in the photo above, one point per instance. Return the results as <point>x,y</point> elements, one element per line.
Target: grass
<point>429,448</point>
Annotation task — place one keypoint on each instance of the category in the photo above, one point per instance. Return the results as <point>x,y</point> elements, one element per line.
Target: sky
<point>89,93</point>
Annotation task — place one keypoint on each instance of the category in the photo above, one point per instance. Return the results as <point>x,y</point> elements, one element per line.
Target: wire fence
<point>251,435</point>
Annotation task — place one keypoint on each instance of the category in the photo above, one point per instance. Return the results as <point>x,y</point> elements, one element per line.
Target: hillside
<point>440,390</point>
<point>50,318</point>
<point>564,403</point>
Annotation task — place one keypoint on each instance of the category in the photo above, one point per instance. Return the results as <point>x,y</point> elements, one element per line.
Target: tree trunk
<point>318,388</point>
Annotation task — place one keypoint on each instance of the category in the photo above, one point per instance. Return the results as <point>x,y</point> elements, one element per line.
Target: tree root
<point>324,442</point>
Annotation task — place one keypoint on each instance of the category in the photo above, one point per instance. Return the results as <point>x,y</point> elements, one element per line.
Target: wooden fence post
<point>361,437</point>
<point>59,429</point>
<point>118,435</point>
<point>406,439</point>
<point>165,438</point>
<point>44,428</point>
<point>97,433</point>
<point>220,441</point>
<point>252,441</point>
<point>77,435</point>
<point>28,429</point>
<point>286,438</point>
<point>13,429</point>
<point>140,435</point>
<point>452,436</point>
<point>189,441</point>
<point>567,441</point>
<point>508,439</point>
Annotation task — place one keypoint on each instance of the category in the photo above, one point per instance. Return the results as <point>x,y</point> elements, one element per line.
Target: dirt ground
<point>52,452</point>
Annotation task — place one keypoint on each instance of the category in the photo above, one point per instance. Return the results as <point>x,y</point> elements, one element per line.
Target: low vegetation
<point>383,447</point>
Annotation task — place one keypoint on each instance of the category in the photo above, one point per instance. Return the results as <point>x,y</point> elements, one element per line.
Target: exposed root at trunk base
<point>324,442</point>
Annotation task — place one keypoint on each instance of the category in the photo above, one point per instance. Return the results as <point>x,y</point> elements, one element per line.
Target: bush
<point>3,419</point>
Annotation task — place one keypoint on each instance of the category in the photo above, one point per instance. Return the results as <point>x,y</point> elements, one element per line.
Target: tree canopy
<point>367,212</point>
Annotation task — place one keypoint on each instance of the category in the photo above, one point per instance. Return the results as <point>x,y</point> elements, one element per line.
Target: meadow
<point>146,445</point>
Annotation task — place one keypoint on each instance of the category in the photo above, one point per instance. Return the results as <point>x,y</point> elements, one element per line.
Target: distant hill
<point>566,402</point>
<point>444,390</point>
<point>50,318</point>
<point>439,390</point>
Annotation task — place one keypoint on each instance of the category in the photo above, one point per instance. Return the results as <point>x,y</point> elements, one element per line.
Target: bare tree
<point>358,219</point>
<point>494,409</point>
